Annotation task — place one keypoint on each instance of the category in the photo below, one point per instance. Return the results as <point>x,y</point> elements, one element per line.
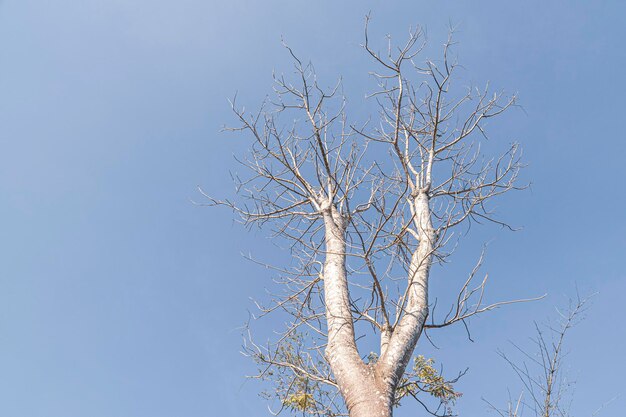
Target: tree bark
<point>373,398</point>
<point>368,389</point>
<point>396,357</point>
<point>341,350</point>
<point>365,391</point>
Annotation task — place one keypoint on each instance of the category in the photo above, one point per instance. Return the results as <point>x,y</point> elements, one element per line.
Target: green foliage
<point>299,378</point>
<point>372,358</point>
<point>301,381</point>
<point>299,401</point>
<point>424,377</point>
<point>432,381</point>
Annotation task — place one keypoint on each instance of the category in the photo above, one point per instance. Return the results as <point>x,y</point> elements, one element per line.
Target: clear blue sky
<point>119,298</point>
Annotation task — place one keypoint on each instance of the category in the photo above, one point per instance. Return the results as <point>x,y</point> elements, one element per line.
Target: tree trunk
<point>371,409</point>
<point>365,392</point>
<point>368,390</point>
<point>370,396</point>
<point>341,350</point>
<point>395,358</point>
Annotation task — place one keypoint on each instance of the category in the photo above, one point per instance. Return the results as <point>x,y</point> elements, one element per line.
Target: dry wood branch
<point>541,372</point>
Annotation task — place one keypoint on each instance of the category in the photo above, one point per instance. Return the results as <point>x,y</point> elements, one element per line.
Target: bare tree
<point>367,206</point>
<point>547,390</point>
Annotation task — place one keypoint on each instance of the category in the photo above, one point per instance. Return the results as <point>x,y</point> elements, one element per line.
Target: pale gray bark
<point>341,350</point>
<point>368,390</point>
<point>415,311</point>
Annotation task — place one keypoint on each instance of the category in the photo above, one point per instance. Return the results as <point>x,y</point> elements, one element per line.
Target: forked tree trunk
<point>372,397</point>
<point>368,389</point>
<point>364,391</point>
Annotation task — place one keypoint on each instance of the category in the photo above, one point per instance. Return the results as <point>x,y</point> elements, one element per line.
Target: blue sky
<point>119,298</point>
